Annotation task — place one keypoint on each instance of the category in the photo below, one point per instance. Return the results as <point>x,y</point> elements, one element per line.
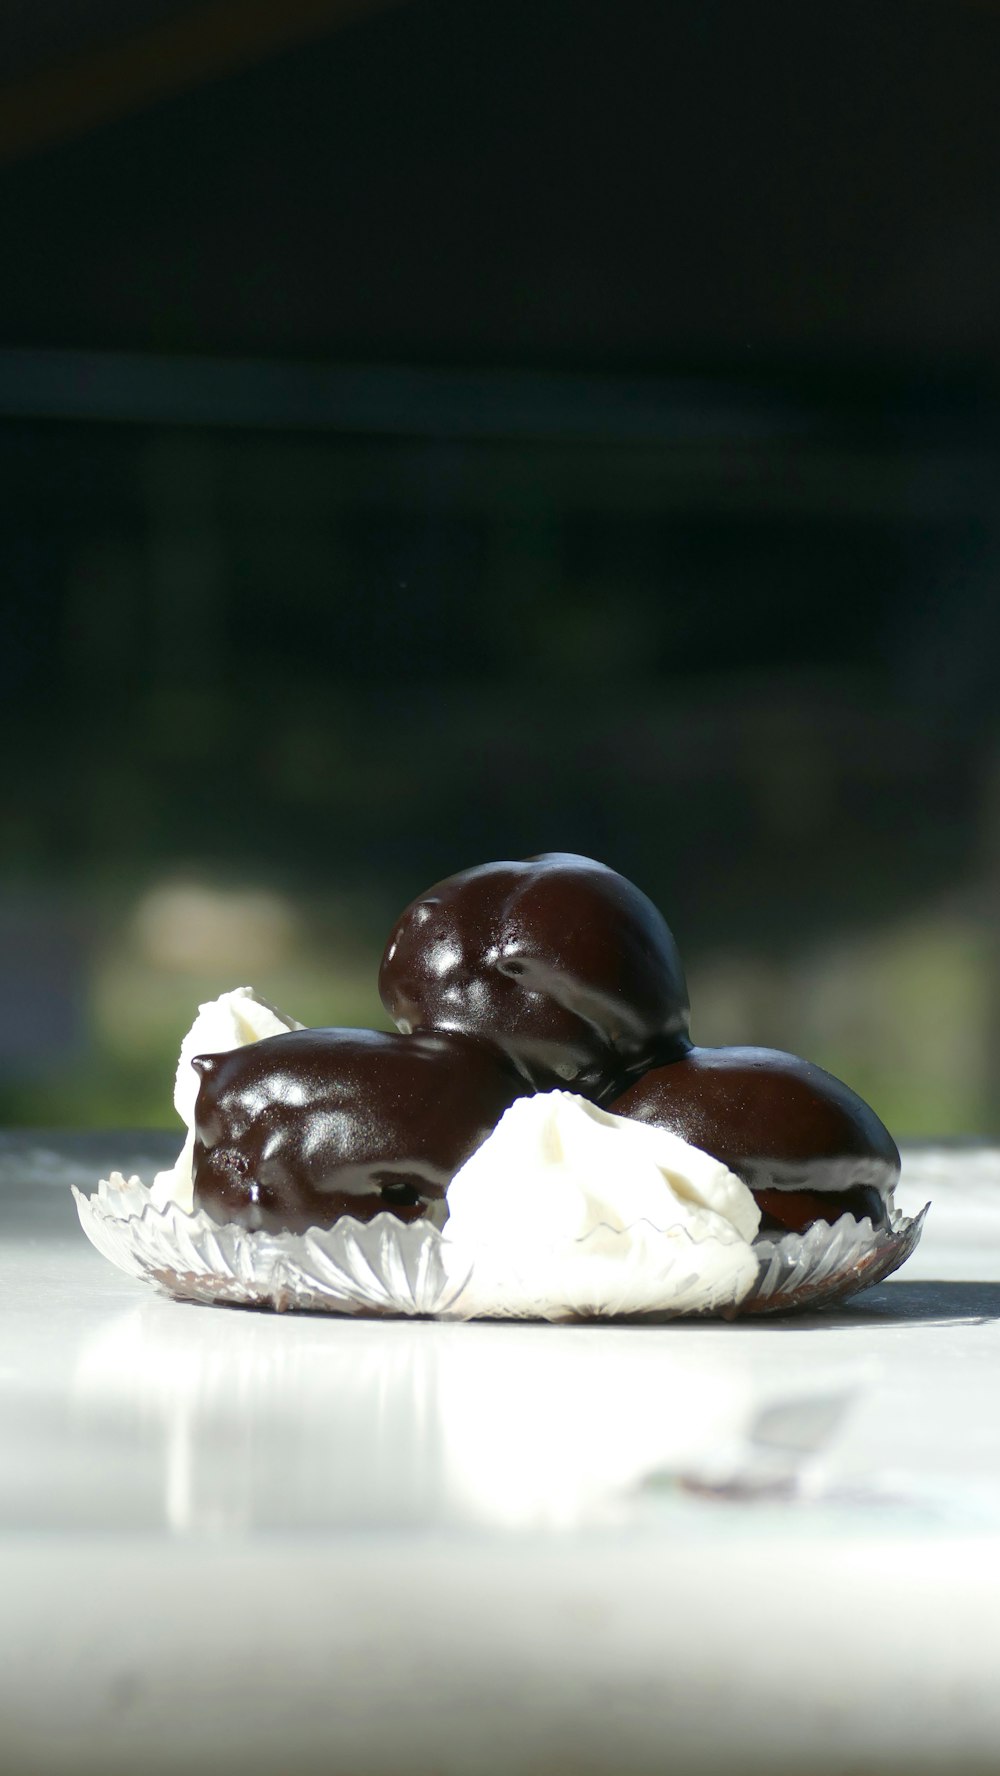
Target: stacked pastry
<point>542,1103</point>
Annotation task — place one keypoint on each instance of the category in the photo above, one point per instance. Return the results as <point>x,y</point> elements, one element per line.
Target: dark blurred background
<point>432,432</point>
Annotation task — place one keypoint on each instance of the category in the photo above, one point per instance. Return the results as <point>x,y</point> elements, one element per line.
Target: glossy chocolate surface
<point>778,1122</point>
<point>302,1128</point>
<point>561,962</point>
<point>792,1211</point>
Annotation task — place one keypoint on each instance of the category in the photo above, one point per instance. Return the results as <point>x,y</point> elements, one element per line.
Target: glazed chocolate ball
<point>808,1147</point>
<point>299,1129</point>
<point>559,961</point>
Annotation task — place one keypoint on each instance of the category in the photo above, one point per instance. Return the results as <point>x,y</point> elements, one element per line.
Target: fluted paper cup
<point>390,1268</point>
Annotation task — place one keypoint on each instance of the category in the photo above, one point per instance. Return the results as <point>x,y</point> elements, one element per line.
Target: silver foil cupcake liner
<point>385,1267</point>
<point>829,1263</point>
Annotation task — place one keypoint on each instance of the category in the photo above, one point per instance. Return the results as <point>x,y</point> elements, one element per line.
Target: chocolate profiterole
<point>564,965</point>
<point>807,1146</point>
<point>298,1129</point>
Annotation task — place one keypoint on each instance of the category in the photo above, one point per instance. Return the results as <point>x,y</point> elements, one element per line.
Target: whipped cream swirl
<point>566,1208</point>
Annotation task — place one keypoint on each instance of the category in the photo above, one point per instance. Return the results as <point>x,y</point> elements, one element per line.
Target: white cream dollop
<point>231,1021</point>
<point>568,1208</point>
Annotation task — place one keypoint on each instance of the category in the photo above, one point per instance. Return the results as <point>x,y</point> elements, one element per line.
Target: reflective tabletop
<point>237,1540</point>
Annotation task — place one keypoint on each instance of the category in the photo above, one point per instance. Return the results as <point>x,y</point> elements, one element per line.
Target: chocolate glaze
<point>299,1129</point>
<point>784,1211</point>
<point>780,1123</point>
<point>559,961</point>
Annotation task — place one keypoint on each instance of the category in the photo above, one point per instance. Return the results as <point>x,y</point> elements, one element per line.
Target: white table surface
<point>237,1541</point>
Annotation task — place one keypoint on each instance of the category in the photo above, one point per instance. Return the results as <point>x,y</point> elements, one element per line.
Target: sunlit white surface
<point>263,1542</point>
